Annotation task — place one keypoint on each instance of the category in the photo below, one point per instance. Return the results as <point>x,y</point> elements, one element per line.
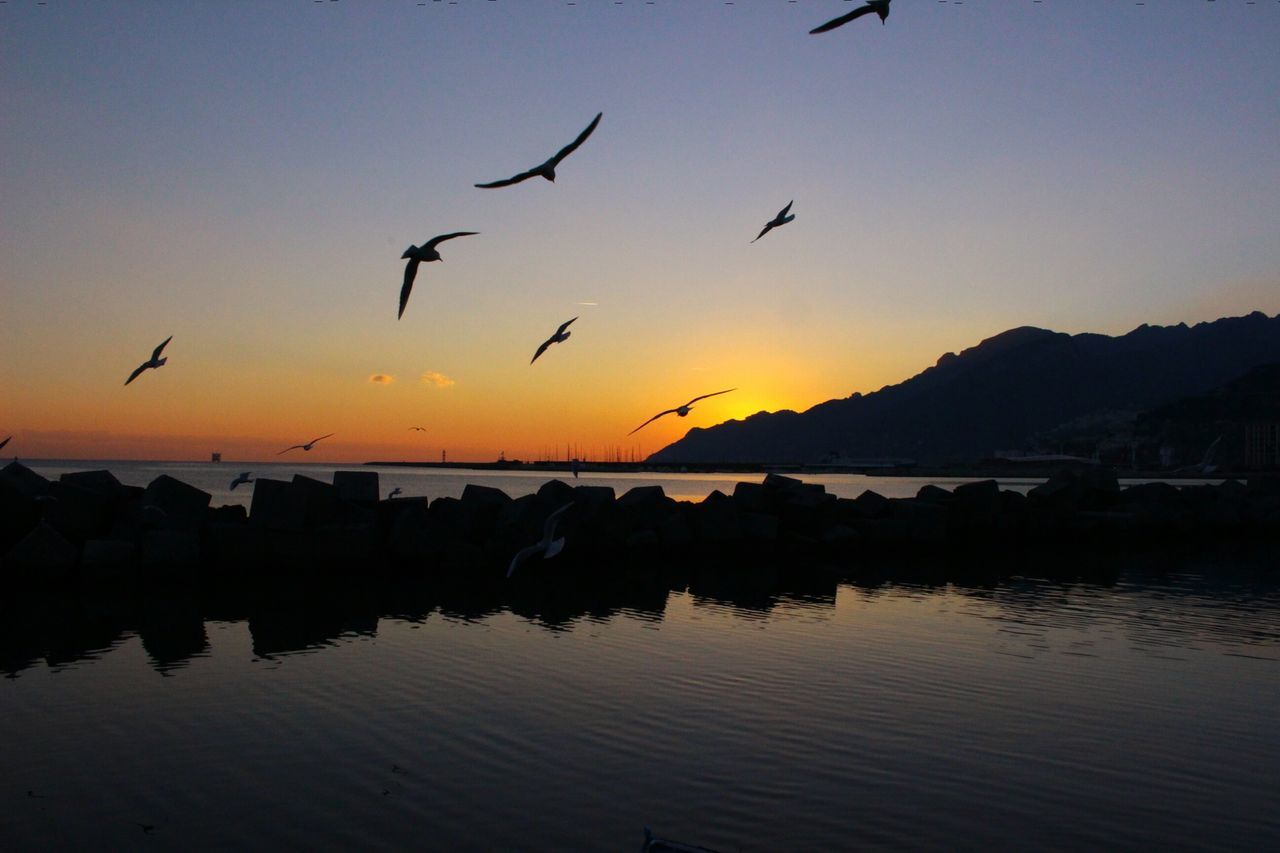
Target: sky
<point>245,176</point>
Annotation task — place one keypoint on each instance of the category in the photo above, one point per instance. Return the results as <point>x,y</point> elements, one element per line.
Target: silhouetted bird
<point>559,337</point>
<point>547,545</point>
<point>417,429</point>
<point>547,169</point>
<point>419,254</point>
<point>155,361</point>
<point>243,478</point>
<point>880,7</point>
<point>781,219</point>
<point>682,411</point>
<point>310,444</point>
<point>394,492</point>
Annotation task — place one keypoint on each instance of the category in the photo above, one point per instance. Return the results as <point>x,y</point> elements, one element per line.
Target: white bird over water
<point>682,411</point>
<point>310,444</point>
<point>559,337</point>
<point>244,477</point>
<point>780,219</point>
<point>154,361</point>
<point>548,546</point>
<point>421,254</point>
<point>547,169</point>
<point>880,7</point>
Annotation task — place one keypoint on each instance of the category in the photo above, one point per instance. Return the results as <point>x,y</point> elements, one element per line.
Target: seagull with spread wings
<point>310,444</point>
<point>547,546</point>
<point>880,7</point>
<point>559,337</point>
<point>154,361</point>
<point>682,411</point>
<point>244,477</point>
<point>418,255</point>
<point>781,219</point>
<point>547,169</point>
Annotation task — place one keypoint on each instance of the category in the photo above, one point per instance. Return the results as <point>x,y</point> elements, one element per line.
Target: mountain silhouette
<point>996,395</point>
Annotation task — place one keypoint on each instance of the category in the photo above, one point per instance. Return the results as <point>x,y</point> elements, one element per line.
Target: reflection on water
<point>720,707</point>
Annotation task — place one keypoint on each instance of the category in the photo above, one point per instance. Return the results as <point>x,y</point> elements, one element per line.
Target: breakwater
<point>88,528</point>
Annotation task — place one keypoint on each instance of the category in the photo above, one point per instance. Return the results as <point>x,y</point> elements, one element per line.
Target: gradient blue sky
<point>245,176</point>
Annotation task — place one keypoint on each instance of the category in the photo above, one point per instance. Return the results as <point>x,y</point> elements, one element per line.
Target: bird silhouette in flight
<point>880,7</point>
<point>781,219</point>
<point>310,444</point>
<point>3,443</point>
<point>244,477</point>
<point>154,361</point>
<point>417,429</point>
<point>420,254</point>
<point>559,337</point>
<point>682,411</point>
<point>548,546</point>
<point>547,169</point>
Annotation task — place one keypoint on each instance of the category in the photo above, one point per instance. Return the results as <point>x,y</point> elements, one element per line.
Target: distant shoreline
<point>978,470</point>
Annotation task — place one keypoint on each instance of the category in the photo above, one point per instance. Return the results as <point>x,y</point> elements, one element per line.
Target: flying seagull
<point>559,337</point>
<point>547,546</point>
<point>781,219</point>
<point>155,361</point>
<point>310,444</point>
<point>242,478</point>
<point>880,7</point>
<point>417,429</point>
<point>393,493</point>
<point>419,254</point>
<point>547,169</point>
<point>682,411</point>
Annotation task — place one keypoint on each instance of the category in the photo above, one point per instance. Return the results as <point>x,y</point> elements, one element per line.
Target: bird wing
<point>782,214</point>
<point>563,326</point>
<point>572,146</point>
<point>763,231</point>
<point>514,179</point>
<point>548,342</point>
<point>842,20</point>
<point>522,555</point>
<point>436,241</point>
<point>314,440</point>
<point>136,371</point>
<point>651,420</point>
<point>6,441</point>
<point>287,449</point>
<point>410,273</point>
<point>155,354</point>
<point>705,396</point>
<point>549,526</point>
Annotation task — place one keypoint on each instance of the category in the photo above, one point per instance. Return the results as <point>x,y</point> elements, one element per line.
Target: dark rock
<point>108,562</point>
<point>102,482</point>
<point>43,556</point>
<point>759,526</point>
<point>777,481</point>
<point>357,486</point>
<point>593,496</point>
<point>839,534</point>
<point>235,548</point>
<point>321,500</point>
<point>478,510</point>
<point>556,492</point>
<point>934,494</point>
<point>229,514</point>
<point>23,481</point>
<point>716,520</point>
<point>78,512</point>
<point>871,504</point>
<point>751,497</point>
<point>976,504</point>
<point>171,555</point>
<point>1062,487</point>
<point>643,540</point>
<point>182,507</point>
<point>278,505</point>
<point>675,532</point>
<point>922,521</point>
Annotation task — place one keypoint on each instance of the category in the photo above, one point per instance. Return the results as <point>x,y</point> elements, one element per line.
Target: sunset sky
<point>245,177</point>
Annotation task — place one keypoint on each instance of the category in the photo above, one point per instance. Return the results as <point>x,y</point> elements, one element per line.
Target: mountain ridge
<point>996,394</point>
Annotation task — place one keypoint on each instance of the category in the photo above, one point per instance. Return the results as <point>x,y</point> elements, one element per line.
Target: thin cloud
<point>588,304</point>
<point>439,380</point>
<point>381,379</point>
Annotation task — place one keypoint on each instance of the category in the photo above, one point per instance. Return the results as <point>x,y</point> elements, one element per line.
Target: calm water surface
<point>1030,715</point>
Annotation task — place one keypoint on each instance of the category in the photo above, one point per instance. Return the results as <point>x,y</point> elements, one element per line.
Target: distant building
<point>215,457</point>
<point>1262,445</point>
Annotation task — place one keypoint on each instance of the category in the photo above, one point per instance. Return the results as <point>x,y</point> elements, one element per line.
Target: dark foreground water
<point>1135,713</point>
